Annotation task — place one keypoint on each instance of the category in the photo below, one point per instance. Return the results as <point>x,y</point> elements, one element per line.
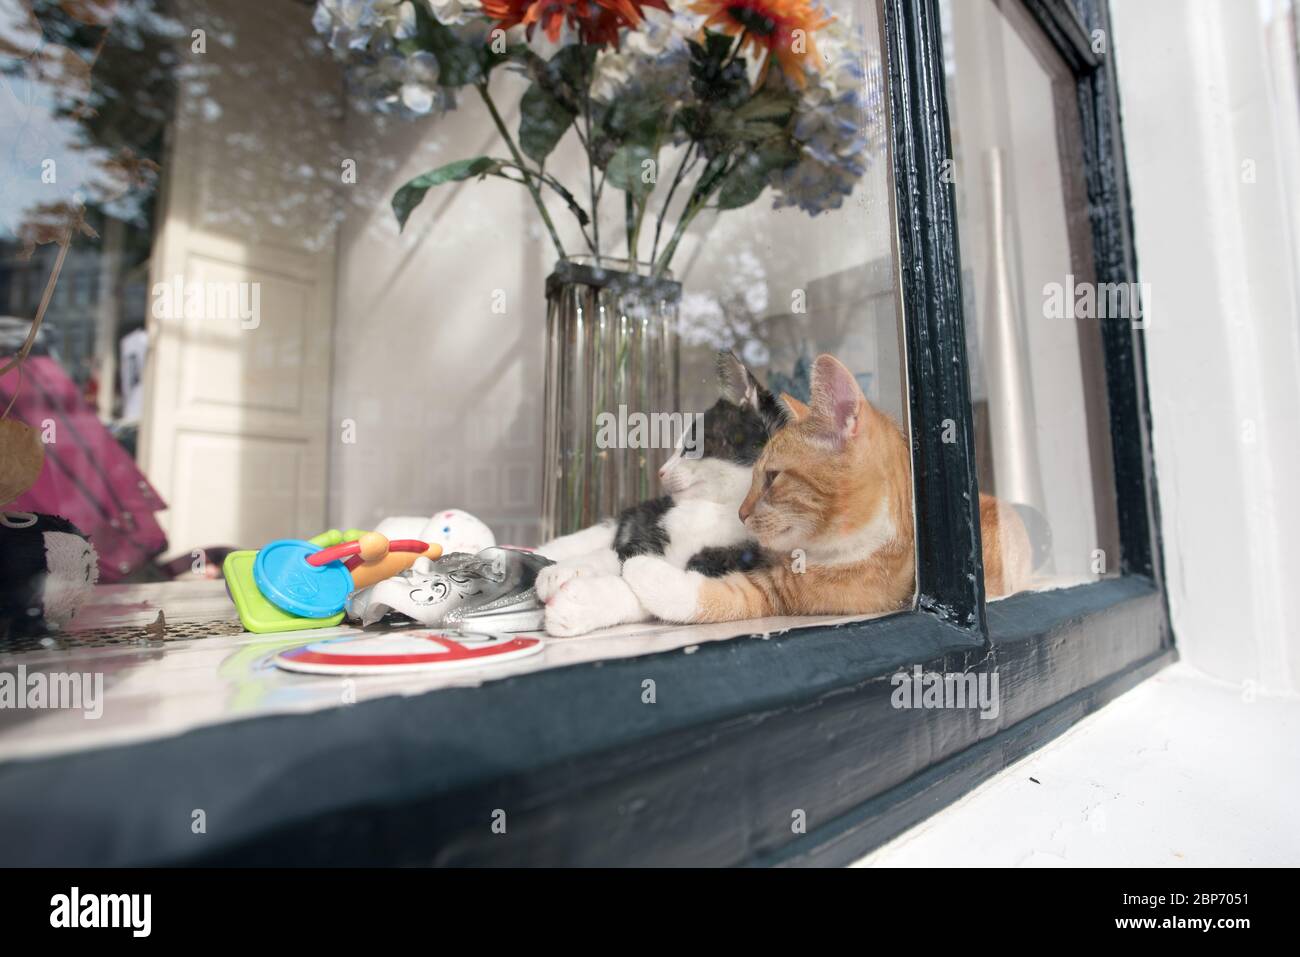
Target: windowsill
<point>742,732</point>
<point>157,690</point>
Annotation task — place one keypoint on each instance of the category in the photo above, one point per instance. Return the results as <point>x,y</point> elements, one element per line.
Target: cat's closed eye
<point>769,477</point>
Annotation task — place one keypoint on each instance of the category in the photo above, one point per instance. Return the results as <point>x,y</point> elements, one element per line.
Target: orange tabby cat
<point>831,507</point>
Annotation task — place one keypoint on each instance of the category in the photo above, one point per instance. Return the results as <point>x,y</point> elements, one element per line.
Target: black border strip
<point>1068,33</point>
<point>1137,496</point>
<point>949,570</point>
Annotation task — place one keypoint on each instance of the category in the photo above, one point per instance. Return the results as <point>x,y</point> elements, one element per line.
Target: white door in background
<point>236,410</point>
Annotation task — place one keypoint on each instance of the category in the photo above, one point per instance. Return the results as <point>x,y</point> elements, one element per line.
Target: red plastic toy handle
<point>333,554</point>
<point>408,545</point>
<point>352,549</point>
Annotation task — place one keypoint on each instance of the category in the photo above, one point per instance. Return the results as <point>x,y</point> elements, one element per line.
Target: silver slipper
<point>430,591</point>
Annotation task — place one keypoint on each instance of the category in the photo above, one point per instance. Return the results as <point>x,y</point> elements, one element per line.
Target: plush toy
<point>47,570</point>
<point>403,526</point>
<point>47,566</point>
<point>453,529</point>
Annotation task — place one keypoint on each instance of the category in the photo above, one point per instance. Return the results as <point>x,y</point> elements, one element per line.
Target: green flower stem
<point>713,176</point>
<point>629,218</point>
<point>642,205</point>
<point>640,219</point>
<point>661,266</point>
<point>659,225</point>
<point>591,174</point>
<point>519,160</point>
<point>546,179</point>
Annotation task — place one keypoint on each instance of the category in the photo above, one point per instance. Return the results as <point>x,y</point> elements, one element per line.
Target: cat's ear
<point>837,399</point>
<point>738,383</point>
<point>743,388</point>
<point>798,410</point>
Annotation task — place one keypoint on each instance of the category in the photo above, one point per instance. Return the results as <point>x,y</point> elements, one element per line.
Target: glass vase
<point>612,355</point>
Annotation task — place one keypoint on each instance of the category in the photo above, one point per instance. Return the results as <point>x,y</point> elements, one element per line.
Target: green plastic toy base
<point>258,614</point>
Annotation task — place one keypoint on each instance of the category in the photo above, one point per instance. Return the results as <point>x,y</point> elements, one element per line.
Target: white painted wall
<point>1199,100</point>
<point>443,394</point>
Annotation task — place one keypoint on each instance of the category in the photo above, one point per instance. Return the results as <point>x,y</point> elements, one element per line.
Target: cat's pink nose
<point>745,512</point>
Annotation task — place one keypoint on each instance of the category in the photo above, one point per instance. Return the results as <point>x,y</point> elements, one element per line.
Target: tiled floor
<point>1181,771</point>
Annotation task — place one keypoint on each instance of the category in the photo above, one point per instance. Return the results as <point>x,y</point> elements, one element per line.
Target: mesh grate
<point>138,635</point>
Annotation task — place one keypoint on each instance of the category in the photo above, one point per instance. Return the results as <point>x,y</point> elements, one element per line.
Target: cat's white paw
<point>580,606</point>
<point>554,577</point>
<point>664,590</point>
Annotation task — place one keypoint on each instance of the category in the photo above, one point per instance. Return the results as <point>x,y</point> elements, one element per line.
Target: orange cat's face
<point>792,495</point>
<point>824,477</point>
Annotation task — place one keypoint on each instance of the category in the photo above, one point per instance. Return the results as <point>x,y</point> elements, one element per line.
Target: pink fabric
<point>88,478</point>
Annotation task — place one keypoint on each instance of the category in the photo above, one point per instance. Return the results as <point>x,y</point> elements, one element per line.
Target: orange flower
<point>596,21</point>
<point>782,29</point>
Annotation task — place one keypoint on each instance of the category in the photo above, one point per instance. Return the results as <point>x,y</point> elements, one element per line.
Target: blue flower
<point>839,106</point>
<point>364,34</point>
<point>353,25</point>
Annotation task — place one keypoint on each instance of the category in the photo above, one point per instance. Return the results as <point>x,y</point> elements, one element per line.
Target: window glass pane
<point>1037,376</point>
<point>268,321</point>
<point>780,285</point>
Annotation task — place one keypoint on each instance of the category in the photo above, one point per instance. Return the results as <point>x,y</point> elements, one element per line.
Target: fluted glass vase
<point>611,352</point>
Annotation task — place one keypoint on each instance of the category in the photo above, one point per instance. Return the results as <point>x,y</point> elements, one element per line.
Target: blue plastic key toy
<point>284,576</point>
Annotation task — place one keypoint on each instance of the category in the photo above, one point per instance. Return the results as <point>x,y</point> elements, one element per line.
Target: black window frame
<point>745,735</point>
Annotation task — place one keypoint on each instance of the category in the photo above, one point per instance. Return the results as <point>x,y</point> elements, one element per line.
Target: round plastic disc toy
<point>406,652</point>
<point>288,582</point>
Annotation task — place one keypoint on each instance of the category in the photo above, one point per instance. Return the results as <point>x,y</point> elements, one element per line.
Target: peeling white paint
<point>1181,771</point>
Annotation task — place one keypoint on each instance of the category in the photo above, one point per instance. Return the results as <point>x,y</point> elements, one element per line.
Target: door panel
<point>241,322</point>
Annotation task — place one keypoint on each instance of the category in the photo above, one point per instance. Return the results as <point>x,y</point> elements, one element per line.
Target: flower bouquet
<point>747,94</point>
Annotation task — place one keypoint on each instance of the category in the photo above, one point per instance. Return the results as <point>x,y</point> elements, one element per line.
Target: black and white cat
<point>696,523</point>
